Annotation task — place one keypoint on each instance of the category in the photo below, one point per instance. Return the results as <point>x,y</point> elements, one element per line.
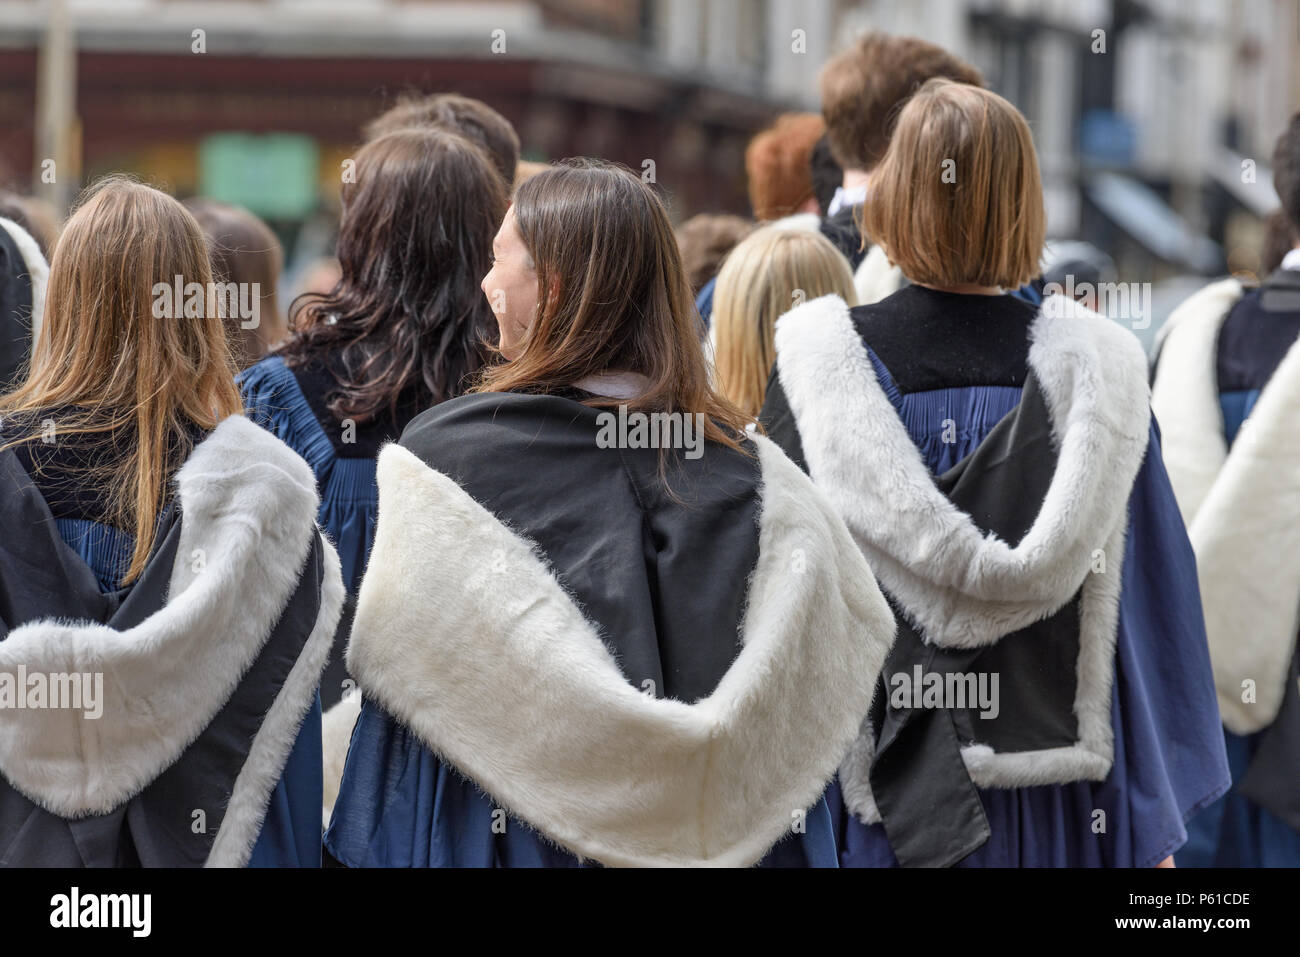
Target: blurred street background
<point>1154,119</point>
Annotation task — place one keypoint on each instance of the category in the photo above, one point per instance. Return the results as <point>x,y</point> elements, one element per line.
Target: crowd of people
<point>951,577</point>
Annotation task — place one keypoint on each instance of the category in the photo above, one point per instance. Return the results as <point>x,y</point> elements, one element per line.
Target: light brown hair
<point>611,296</point>
<point>244,250</point>
<point>769,273</point>
<point>778,164</point>
<point>471,118</point>
<point>108,364</point>
<point>958,199</point>
<point>864,87</point>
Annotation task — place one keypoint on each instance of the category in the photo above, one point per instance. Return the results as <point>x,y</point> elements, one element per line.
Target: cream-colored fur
<point>37,270</point>
<point>463,634</point>
<point>1242,508</point>
<point>964,589</point>
<point>248,504</point>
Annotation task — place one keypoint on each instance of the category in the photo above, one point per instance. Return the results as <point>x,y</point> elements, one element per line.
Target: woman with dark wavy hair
<point>404,329</point>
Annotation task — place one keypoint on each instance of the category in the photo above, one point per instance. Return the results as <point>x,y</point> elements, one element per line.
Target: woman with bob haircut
<point>1049,700</point>
<point>767,273</point>
<point>602,623</point>
<point>161,552</point>
<point>402,330</point>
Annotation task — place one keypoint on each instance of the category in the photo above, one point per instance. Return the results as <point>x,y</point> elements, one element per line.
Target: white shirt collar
<point>846,197</point>
<point>1292,260</point>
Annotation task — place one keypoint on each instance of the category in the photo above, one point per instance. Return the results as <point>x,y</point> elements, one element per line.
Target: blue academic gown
<point>1169,760</point>
<point>349,495</point>
<point>291,830</point>
<point>431,816</point>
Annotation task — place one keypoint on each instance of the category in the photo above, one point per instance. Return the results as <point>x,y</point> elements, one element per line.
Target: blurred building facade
<point>1154,118</point>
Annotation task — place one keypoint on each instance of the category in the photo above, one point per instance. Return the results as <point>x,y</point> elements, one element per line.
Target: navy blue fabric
<point>704,301</point>
<point>1169,758</point>
<point>349,496</point>
<point>291,831</point>
<point>1234,831</point>
<point>399,806</point>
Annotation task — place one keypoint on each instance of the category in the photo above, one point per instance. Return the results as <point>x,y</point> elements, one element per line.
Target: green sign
<point>272,174</point>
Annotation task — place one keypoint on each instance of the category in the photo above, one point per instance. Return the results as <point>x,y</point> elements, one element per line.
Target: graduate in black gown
<point>1048,702</point>
<point>1227,390</point>
<point>600,623</point>
<point>166,600</point>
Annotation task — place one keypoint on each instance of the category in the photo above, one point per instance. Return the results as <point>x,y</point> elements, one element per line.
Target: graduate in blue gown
<point>998,465</point>
<point>208,616</point>
<point>579,644</point>
<point>1227,388</point>
<point>402,330</point>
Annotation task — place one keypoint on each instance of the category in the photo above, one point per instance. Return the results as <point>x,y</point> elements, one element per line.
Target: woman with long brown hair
<point>602,622</point>
<point>161,564</point>
<point>404,328</point>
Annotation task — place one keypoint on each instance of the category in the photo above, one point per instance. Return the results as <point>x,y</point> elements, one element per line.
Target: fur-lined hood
<point>1242,507</point>
<point>248,506</point>
<point>961,588</point>
<point>515,688</point>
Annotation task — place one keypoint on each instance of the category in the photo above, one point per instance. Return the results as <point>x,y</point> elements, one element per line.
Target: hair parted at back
<point>864,87</point>
<point>110,364</point>
<point>471,118</point>
<point>612,296</point>
<point>407,317</point>
<point>1286,172</point>
<point>958,199</point>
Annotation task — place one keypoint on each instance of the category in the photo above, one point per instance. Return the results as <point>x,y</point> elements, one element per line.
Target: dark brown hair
<point>958,198</point>
<point>864,87</point>
<point>244,250</point>
<point>612,296</point>
<point>472,119</point>
<point>415,239</point>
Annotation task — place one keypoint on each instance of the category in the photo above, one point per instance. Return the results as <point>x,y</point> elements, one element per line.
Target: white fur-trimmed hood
<point>963,588</point>
<point>960,587</point>
<point>463,634</point>
<point>248,507</point>
<point>1242,507</point>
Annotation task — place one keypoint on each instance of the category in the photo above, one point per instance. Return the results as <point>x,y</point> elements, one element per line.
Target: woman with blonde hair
<point>165,595</point>
<point>1048,701</point>
<point>601,623</point>
<point>766,275</point>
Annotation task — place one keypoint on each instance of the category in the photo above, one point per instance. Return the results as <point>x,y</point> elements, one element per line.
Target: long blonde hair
<point>108,364</point>
<point>767,274</point>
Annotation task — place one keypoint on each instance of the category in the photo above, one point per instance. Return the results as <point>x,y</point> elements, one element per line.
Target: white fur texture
<point>464,635</point>
<point>249,505</point>
<point>1242,508</point>
<point>1185,397</point>
<point>876,277</point>
<point>336,735</point>
<point>961,588</point>
<point>37,270</point>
